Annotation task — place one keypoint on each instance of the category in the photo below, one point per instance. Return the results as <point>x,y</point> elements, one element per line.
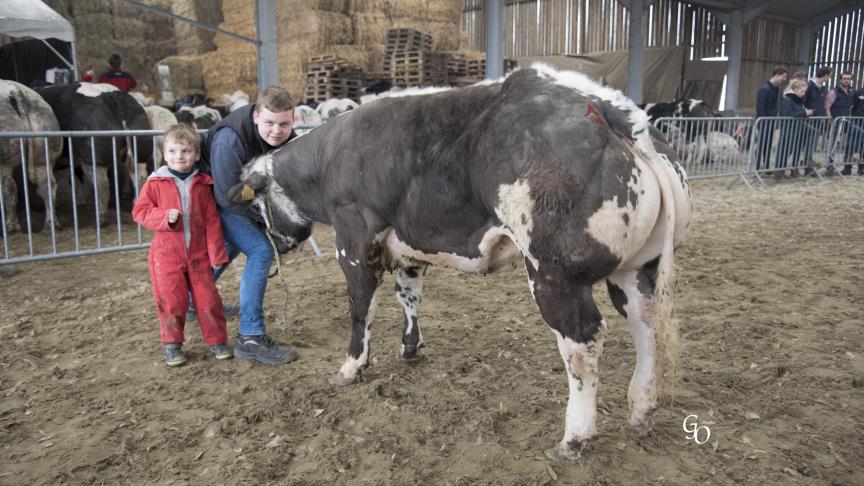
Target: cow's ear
<point>244,191</point>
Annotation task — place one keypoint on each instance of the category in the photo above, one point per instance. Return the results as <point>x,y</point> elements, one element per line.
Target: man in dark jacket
<point>838,103</point>
<point>767,105</point>
<point>244,134</point>
<point>857,143</point>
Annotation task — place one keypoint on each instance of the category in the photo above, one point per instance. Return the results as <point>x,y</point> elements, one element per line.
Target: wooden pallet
<point>332,77</point>
<point>407,39</point>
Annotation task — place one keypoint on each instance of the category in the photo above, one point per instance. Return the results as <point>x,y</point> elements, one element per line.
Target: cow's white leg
<point>99,182</point>
<point>10,200</point>
<point>361,264</point>
<point>41,177</point>
<point>568,308</point>
<point>409,293</point>
<point>632,293</point>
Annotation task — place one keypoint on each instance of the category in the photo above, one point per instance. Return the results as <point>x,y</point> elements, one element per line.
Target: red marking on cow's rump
<point>592,113</point>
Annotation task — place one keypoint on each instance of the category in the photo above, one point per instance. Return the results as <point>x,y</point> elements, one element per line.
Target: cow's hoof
<point>571,451</point>
<point>641,428</point>
<point>341,380</point>
<point>409,355</point>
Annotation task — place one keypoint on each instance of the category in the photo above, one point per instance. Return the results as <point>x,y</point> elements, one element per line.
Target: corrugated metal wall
<point>840,44</point>
<point>542,27</point>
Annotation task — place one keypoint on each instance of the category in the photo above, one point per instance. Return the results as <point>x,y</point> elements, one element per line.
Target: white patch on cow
<point>581,363</point>
<point>353,263</point>
<point>693,104</point>
<point>342,252</point>
<point>95,89</point>
<point>648,106</point>
<point>515,209</point>
<point>401,93</point>
<point>607,224</point>
<point>352,365</point>
<point>496,250</point>
<point>571,79</point>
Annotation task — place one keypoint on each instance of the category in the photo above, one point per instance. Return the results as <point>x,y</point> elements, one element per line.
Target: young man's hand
<point>173,214</point>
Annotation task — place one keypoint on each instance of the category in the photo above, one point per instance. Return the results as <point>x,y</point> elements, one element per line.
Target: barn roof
<point>803,10</point>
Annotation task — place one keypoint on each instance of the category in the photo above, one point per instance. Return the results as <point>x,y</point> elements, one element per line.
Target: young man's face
<point>180,156</point>
<point>845,80</point>
<point>274,128</point>
<point>780,79</point>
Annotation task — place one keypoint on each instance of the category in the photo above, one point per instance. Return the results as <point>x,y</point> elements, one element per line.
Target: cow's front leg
<point>568,308</point>
<point>409,293</point>
<point>361,264</point>
<point>98,181</point>
<point>9,189</point>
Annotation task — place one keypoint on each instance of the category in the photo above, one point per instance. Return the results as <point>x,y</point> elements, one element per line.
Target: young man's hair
<point>184,134</point>
<point>797,84</point>
<point>778,71</point>
<point>846,73</point>
<point>800,75</point>
<point>275,99</point>
<point>115,61</point>
<point>824,71</point>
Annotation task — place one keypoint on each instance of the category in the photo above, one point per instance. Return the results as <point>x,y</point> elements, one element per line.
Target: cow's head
<point>284,221</point>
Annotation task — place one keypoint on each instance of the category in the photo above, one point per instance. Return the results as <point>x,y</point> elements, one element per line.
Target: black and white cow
<point>95,106</point>
<point>695,141</point>
<point>23,110</point>
<point>543,165</point>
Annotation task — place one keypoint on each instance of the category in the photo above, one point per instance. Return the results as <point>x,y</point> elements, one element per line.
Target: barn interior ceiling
<point>795,9</point>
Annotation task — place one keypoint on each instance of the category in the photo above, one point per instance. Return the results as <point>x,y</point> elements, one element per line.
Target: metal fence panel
<point>709,147</point>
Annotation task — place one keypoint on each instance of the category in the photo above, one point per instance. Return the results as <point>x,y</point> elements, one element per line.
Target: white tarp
<point>32,18</point>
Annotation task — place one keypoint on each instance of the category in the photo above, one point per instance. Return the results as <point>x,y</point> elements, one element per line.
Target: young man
<point>244,134</point>
<point>116,76</point>
<point>767,105</point>
<point>838,103</point>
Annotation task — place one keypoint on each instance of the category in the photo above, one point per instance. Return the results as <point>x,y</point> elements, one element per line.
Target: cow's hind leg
<point>632,293</point>
<point>361,264</point>
<point>568,308</point>
<point>409,293</point>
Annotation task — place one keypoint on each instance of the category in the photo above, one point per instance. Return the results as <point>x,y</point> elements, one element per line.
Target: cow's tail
<point>664,290</point>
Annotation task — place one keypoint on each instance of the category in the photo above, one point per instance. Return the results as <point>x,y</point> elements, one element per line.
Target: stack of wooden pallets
<point>409,60</point>
<point>332,77</point>
<point>464,71</point>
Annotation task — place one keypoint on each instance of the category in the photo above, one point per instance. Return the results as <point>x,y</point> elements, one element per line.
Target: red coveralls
<point>173,271</point>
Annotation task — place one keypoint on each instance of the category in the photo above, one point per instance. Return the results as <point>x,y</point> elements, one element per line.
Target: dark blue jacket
<point>767,100</point>
<point>814,98</point>
<point>858,104</point>
<point>792,105</point>
<point>842,105</point>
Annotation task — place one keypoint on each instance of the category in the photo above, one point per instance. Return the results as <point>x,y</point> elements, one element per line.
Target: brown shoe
<point>794,173</point>
<point>830,171</point>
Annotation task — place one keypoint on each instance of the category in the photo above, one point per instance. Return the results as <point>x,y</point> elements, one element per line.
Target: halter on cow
<point>545,165</point>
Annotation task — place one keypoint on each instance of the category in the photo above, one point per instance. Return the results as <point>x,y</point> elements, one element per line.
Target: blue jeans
<point>242,235</point>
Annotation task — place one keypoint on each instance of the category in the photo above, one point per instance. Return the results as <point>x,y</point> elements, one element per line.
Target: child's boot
<point>174,354</point>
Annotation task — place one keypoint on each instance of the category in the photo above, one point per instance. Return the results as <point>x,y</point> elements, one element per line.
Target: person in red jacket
<point>116,76</point>
<point>178,205</point>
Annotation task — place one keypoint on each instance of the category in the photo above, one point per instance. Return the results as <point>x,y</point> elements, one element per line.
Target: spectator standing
<point>838,103</point>
<point>117,76</point>
<point>793,133</point>
<point>767,105</point>
<point>246,133</point>
<point>858,140</point>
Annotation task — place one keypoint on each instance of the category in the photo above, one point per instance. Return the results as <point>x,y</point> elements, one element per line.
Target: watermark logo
<point>695,432</point>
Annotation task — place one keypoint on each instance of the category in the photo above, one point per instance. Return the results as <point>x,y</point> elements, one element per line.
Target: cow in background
<point>334,107</point>
<point>160,119</point>
<point>95,106</point>
<point>23,110</point>
<point>307,118</point>
<point>201,117</point>
<point>696,141</point>
<point>545,167</point>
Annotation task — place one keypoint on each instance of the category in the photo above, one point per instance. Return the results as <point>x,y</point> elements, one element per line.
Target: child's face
<point>800,91</point>
<point>180,156</point>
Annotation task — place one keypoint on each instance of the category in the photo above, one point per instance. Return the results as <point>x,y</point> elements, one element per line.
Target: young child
<point>177,204</point>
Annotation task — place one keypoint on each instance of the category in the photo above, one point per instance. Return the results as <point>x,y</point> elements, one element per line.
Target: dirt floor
<point>770,302</point>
